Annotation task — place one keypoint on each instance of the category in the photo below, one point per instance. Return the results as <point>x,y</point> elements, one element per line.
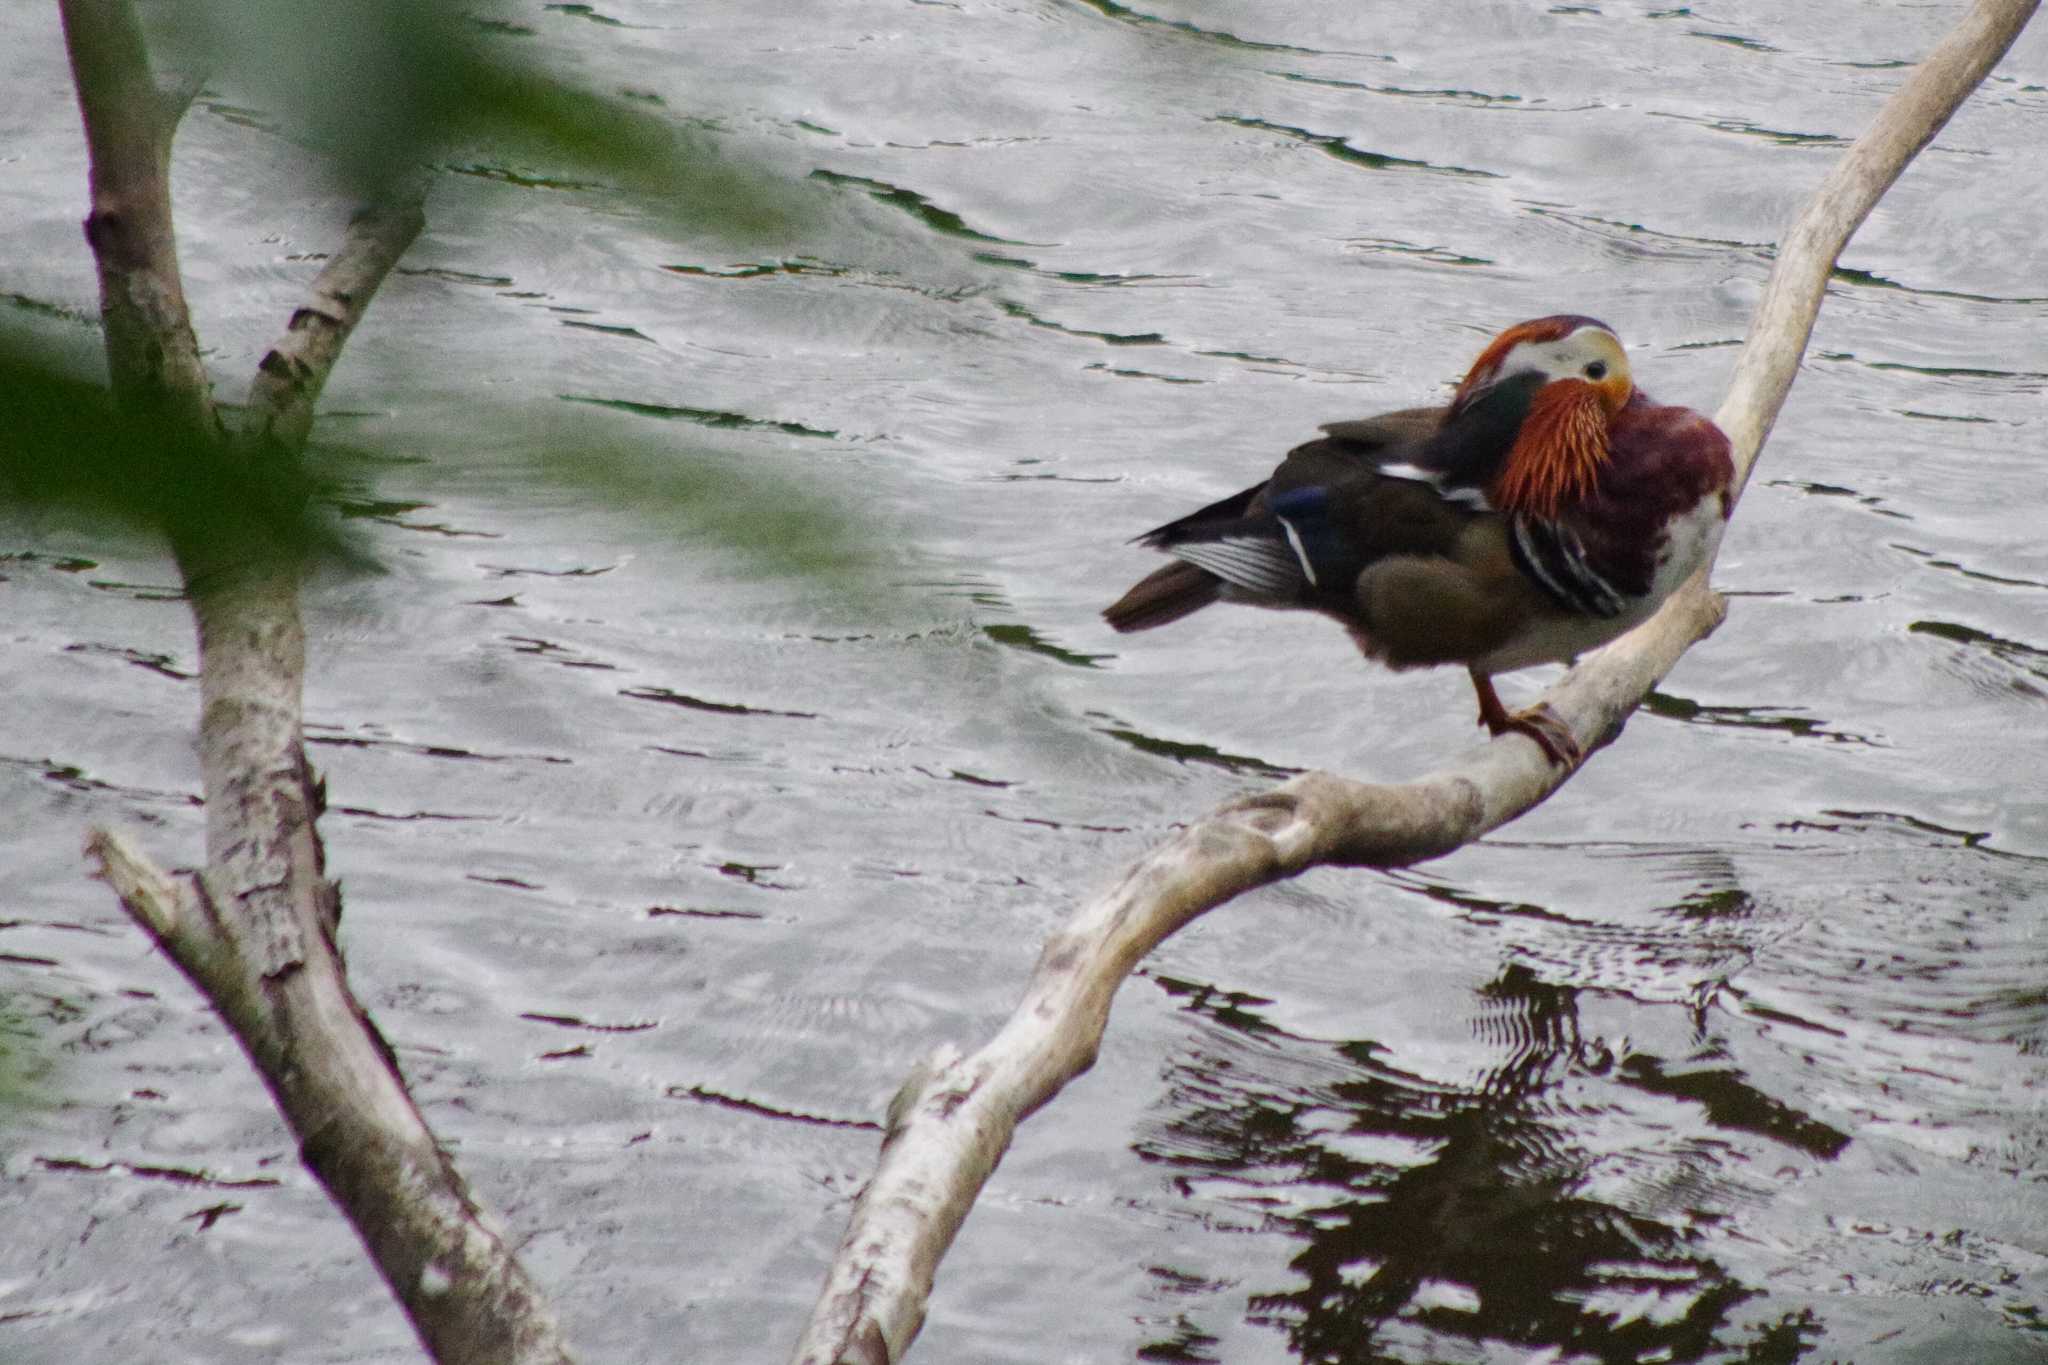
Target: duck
<point>1548,508</point>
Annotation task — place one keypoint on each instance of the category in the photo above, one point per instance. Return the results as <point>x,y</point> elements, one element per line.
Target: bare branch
<point>1907,123</point>
<point>295,369</point>
<point>151,352</point>
<point>266,955</point>
<point>256,930</point>
<point>147,893</point>
<point>953,1119</point>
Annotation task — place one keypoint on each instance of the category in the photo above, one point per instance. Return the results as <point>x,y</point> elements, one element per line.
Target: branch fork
<point>255,930</point>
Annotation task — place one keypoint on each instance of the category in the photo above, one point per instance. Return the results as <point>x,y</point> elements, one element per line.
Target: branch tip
<point>148,893</point>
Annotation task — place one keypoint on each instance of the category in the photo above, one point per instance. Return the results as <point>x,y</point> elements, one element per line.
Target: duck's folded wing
<point>1242,558</point>
<point>1455,452</point>
<point>1306,545</point>
<point>1225,512</point>
<point>1259,565</point>
<point>1389,430</point>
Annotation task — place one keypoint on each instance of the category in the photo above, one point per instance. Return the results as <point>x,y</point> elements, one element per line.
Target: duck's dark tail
<point>1163,596</point>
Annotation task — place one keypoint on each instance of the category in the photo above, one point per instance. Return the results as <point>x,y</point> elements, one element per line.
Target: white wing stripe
<point>1300,552</point>
<point>1558,563</point>
<point>1467,495</point>
<point>1257,565</point>
<point>1532,560</point>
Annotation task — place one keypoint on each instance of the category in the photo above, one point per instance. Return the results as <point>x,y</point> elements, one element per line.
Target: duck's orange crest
<point>1557,456</point>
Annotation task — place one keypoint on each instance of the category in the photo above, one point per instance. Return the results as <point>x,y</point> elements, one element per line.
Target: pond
<point>728,716</point>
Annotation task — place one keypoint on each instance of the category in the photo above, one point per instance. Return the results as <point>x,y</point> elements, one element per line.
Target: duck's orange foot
<point>1539,723</point>
<point>1551,734</point>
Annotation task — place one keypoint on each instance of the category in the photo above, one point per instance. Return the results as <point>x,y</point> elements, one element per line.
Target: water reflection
<point>1434,1211</point>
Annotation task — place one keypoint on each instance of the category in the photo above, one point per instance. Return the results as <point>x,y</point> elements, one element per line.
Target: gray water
<point>731,718</point>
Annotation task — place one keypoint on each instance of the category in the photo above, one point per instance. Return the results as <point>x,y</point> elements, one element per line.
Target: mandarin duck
<point>1550,507</point>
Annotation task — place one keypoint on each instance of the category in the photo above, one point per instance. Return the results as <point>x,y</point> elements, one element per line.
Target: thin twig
<point>294,370</point>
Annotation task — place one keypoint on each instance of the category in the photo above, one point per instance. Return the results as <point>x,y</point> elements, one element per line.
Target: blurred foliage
<point>770,523</point>
<point>381,91</point>
<point>27,1058</point>
<point>382,88</point>
<point>65,442</point>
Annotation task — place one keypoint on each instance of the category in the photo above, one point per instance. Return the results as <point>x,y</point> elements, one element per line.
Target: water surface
<point>664,858</point>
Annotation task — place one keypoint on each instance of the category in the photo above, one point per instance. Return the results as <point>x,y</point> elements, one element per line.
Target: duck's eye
<point>1597,370</point>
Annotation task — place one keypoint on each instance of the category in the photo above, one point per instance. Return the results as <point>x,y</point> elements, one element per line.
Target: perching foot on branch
<point>1538,722</point>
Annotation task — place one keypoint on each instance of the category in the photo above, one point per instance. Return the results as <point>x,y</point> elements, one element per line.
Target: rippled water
<point>663,861</point>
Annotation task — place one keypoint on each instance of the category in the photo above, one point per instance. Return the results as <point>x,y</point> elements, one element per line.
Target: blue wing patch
<point>1304,517</point>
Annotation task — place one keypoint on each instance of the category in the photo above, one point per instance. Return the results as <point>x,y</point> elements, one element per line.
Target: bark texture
<point>255,929</point>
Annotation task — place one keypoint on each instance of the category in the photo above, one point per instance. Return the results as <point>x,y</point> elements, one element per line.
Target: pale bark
<point>952,1120</point>
<point>255,929</point>
<point>151,353</point>
<point>290,376</point>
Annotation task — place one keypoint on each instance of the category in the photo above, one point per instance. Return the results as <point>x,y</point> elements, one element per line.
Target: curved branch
<point>952,1120</point>
<point>1792,298</point>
